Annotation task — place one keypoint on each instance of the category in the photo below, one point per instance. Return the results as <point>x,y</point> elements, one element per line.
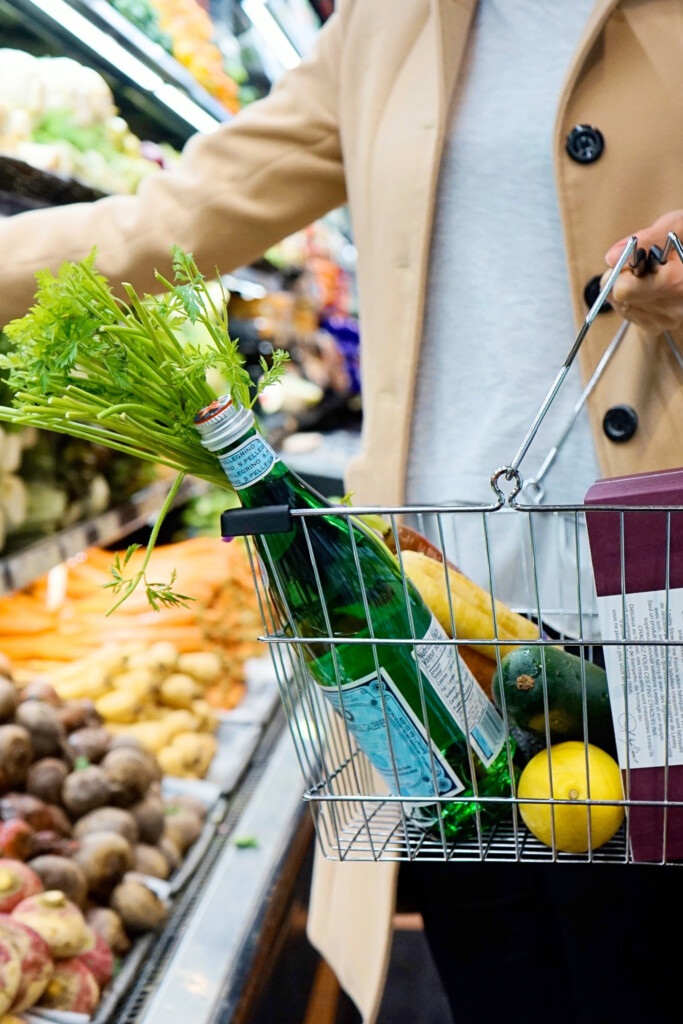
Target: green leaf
<point>245,842</point>
<point>130,551</point>
<point>120,373</point>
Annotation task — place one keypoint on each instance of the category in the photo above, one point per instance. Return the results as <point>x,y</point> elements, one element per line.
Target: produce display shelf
<point>22,567</point>
<point>145,78</point>
<point>101,13</point>
<point>201,960</point>
<point>23,187</point>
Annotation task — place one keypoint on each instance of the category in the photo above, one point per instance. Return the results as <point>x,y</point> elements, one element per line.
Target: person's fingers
<point>655,234</point>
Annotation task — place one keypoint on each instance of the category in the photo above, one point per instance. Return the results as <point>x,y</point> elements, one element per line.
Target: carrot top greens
<point>127,374</point>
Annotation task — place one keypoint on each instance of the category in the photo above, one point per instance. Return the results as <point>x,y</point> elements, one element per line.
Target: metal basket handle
<point>640,262</point>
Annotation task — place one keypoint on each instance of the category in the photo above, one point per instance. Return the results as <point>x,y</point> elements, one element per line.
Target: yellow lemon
<point>570,782</point>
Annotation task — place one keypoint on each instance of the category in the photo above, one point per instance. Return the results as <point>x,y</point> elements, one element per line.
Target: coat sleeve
<point>274,168</point>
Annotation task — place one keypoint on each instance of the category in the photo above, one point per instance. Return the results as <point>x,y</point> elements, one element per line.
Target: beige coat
<point>363,121</point>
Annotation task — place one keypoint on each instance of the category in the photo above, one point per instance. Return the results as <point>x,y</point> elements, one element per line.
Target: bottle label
<point>462,695</point>
<point>383,724</point>
<point>249,462</point>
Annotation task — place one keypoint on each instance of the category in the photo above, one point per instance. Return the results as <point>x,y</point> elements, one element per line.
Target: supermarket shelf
<point>206,970</point>
<point>23,567</point>
<point>143,75</point>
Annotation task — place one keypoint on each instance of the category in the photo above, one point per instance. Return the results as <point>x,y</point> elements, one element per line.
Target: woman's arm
<point>273,169</point>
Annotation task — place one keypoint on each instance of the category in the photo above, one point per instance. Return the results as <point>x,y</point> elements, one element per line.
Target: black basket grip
<point>243,522</point>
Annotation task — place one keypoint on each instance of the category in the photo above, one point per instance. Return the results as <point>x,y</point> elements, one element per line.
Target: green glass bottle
<point>370,684</point>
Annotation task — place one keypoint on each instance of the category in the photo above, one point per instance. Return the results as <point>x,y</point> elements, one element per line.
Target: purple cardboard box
<point>652,546</point>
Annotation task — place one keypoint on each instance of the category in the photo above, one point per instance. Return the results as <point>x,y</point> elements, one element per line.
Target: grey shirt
<point>499,321</point>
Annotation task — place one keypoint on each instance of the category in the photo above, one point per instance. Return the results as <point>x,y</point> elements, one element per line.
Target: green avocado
<point>523,686</point>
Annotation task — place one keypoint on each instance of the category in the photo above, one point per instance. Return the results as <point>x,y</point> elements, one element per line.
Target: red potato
<point>71,987</point>
<point>57,919</point>
<point>34,812</point>
<point>16,838</point>
<point>40,689</point>
<point>35,961</point>
<point>17,882</point>
<point>46,841</point>
<point>98,958</point>
<point>78,714</point>
<point>10,974</point>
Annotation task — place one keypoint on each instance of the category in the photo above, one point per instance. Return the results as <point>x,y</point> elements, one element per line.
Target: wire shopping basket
<point>568,618</point>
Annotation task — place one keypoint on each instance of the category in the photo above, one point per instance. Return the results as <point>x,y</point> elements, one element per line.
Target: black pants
<point>560,943</point>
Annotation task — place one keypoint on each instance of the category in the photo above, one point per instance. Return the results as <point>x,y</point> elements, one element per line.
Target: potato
<point>189,755</point>
<point>129,774</point>
<point>45,779</point>
<point>47,841</point>
<point>186,802</point>
<point>150,861</point>
<point>35,812</point>
<point>205,666</point>
<point>183,827</point>
<point>172,853</point>
<point>104,858</point>
<point>139,908</point>
<point>16,754</point>
<point>86,789</point>
<point>107,923</point>
<point>139,682</point>
<point>40,689</point>
<point>91,742</point>
<point>108,819</point>
<point>207,717</point>
<point>178,690</point>
<point>160,657</point>
<point>149,815</point>
<point>16,840</point>
<point>9,698</point>
<point>63,874</point>
<point>42,722</point>
<point>78,714</point>
<point>122,706</point>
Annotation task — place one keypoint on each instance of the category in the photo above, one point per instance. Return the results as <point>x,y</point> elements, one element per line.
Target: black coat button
<point>591,292</point>
<point>620,423</point>
<point>585,144</point>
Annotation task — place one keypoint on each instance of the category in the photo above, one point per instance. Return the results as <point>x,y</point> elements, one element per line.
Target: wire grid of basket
<point>537,561</point>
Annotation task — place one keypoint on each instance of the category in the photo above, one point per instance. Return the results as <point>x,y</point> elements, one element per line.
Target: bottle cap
<point>222,422</point>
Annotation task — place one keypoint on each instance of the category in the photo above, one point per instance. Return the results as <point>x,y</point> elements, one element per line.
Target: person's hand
<point>653,302</point>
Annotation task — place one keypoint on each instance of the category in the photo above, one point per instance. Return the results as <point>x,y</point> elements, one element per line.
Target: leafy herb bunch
<point>121,373</point>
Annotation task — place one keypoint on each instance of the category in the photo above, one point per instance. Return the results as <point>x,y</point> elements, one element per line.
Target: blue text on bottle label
<point>249,462</point>
<point>383,724</point>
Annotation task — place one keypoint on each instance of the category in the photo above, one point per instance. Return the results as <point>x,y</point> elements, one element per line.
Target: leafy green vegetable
<point>122,374</point>
<point>245,842</point>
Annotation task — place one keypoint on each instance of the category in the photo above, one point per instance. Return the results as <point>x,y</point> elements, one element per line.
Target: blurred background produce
<point>59,116</point>
<point>154,675</point>
<point>86,837</point>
